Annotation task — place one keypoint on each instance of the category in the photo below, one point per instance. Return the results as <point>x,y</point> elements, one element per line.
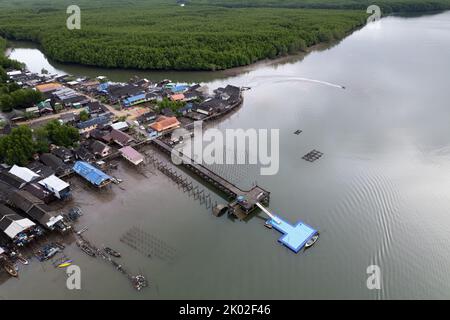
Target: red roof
<point>177,97</point>
<point>165,123</point>
<point>46,87</point>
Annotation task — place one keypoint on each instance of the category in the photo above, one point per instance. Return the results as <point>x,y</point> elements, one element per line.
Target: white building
<point>23,173</point>
<point>60,188</point>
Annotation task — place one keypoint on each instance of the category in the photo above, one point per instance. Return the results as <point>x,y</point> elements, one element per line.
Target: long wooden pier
<point>247,198</point>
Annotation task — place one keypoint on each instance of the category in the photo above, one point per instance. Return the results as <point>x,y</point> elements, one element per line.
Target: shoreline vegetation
<point>169,37</point>
<point>11,94</point>
<point>204,35</point>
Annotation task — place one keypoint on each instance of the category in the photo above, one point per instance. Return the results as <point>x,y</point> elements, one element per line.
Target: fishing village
<point>115,122</point>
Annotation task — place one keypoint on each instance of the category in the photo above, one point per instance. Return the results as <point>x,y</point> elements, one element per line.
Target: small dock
<point>294,237</point>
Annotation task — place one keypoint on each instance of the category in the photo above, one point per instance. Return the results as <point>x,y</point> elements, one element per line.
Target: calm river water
<point>379,195</point>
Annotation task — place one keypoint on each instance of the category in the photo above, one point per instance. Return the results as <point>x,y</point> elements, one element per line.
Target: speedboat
<point>312,241</point>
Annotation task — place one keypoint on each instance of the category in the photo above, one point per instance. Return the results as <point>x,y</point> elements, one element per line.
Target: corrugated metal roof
<point>93,121</point>
<point>90,173</point>
<point>134,99</point>
<point>132,155</point>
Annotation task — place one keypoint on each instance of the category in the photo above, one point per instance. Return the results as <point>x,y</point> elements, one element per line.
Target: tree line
<point>195,37</point>
<point>387,6</point>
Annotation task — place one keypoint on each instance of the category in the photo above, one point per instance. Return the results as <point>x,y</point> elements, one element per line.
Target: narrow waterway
<point>379,195</point>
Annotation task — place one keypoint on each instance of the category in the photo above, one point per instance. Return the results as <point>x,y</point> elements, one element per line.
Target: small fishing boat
<point>65,264</point>
<point>139,282</point>
<point>59,245</point>
<point>86,248</point>
<point>11,270</point>
<point>311,241</point>
<point>57,262</point>
<point>268,225</point>
<point>82,230</point>
<point>22,260</point>
<point>46,253</point>
<point>112,252</point>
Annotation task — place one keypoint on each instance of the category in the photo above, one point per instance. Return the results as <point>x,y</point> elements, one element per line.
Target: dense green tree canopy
<point>60,134</point>
<point>203,35</point>
<point>17,147</point>
<point>172,105</point>
<point>84,115</point>
<point>195,37</point>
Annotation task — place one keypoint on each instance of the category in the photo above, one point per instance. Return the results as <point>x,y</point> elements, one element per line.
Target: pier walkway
<point>244,201</point>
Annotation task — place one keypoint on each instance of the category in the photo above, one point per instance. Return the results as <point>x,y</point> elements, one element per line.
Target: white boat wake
<point>292,78</point>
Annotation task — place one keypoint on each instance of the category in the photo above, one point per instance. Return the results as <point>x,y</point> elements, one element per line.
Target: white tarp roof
<point>18,226</point>
<point>14,73</point>
<point>54,183</point>
<point>2,251</point>
<point>119,125</point>
<point>23,173</point>
<point>54,220</point>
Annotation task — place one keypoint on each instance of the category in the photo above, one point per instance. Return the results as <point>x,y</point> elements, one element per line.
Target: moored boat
<point>86,248</point>
<point>112,252</point>
<point>59,245</point>
<point>312,241</point>
<point>139,282</point>
<point>11,270</point>
<point>65,264</point>
<point>22,260</point>
<point>46,252</point>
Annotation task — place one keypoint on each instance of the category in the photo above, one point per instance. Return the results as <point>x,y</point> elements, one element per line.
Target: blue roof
<point>135,98</point>
<point>103,87</point>
<point>295,237</point>
<point>93,121</point>
<point>179,88</point>
<point>90,173</point>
